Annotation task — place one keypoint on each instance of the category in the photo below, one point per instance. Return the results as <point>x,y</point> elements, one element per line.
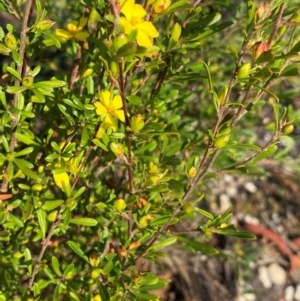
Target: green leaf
<point>204,212</point>
<point>51,205</point>
<point>27,210</point>
<point>100,144</point>
<point>55,83</point>
<point>42,219</point>
<point>164,243</point>
<point>15,89</point>
<point>84,221</point>
<point>134,100</point>
<point>76,248</point>
<point>198,246</point>
<point>14,72</point>
<point>25,139</point>
<point>291,70</point>
<point>266,153</point>
<point>108,267</point>
<point>28,260</point>
<point>161,220</point>
<point>103,292</point>
<point>25,170</point>
<point>24,152</point>
<point>235,233</point>
<point>55,265</point>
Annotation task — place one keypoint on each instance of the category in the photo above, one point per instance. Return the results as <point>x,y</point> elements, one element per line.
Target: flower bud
<point>288,128</point>
<point>187,208</point>
<point>153,168</point>
<point>97,298</point>
<point>221,141</point>
<point>45,24</point>
<point>94,259</point>
<point>123,252</point>
<point>145,221</point>
<point>116,148</point>
<point>87,72</point>
<point>37,187</point>
<point>222,95</point>
<point>192,172</point>
<point>52,216</point>
<point>119,205</point>
<point>258,48</point>
<point>134,245</point>
<point>296,17</point>
<point>10,41</point>
<point>176,32</point>
<point>114,67</point>
<point>161,5</point>
<point>137,123</point>
<point>119,41</point>
<point>244,71</point>
<point>27,81</point>
<point>95,273</point>
<point>263,11</point>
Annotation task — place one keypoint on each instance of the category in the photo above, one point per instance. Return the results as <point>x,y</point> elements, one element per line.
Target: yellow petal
<point>100,132</point>
<point>127,7</point>
<point>72,27</point>
<point>148,28</point>
<point>117,102</point>
<point>143,39</point>
<point>82,23</point>
<point>120,115</point>
<point>109,121</point>
<point>62,181</point>
<point>82,36</point>
<point>105,98</point>
<point>126,25</point>
<point>100,108</point>
<point>63,35</point>
<point>139,11</point>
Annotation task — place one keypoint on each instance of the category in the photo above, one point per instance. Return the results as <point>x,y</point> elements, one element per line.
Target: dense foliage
<point>114,116</point>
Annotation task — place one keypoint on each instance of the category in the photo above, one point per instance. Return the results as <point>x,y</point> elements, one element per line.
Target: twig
<point>20,70</point>
<point>42,252</point>
<point>276,24</point>
<point>75,69</point>
<point>128,141</point>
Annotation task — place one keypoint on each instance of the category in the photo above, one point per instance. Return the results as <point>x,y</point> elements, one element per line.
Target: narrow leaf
<point>41,214</point>
<point>84,221</point>
<point>75,247</point>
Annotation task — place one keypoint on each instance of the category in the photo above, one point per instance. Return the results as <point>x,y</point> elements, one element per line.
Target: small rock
<point>250,187</point>
<point>264,277</point>
<point>289,293</point>
<point>225,202</point>
<point>277,274</point>
<point>297,293</point>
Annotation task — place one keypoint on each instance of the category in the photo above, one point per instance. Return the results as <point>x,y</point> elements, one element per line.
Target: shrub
<point>113,116</point>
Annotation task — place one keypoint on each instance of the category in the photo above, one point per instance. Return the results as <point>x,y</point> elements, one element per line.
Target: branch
<point>20,70</point>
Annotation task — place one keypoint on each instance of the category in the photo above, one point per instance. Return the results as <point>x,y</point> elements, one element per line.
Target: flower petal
<point>105,98</point>
<point>126,25</point>
<point>120,115</point>
<point>100,108</point>
<point>72,27</point>
<point>62,181</point>
<point>139,11</point>
<point>148,28</point>
<point>127,7</point>
<point>82,23</point>
<point>63,35</point>
<point>82,36</point>
<point>109,121</point>
<point>143,39</point>
<point>117,102</point>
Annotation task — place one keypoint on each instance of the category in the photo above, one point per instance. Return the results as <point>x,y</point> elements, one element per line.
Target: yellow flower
<point>102,129</point>
<point>108,108</point>
<point>161,5</point>
<point>134,19</point>
<point>74,30</point>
